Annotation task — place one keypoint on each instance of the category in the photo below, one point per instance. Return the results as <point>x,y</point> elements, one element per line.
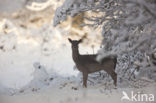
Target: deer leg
<point>85,77</point>
<point>114,77</point>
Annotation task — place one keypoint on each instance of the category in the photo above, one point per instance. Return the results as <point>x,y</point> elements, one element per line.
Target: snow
<point>68,95</point>
<point>6,6</point>
<point>23,52</point>
<point>36,64</point>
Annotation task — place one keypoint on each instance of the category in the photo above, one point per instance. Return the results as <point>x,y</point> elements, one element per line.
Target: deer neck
<point>75,54</point>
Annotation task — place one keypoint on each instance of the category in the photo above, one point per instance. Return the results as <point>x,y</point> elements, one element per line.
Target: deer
<point>88,64</point>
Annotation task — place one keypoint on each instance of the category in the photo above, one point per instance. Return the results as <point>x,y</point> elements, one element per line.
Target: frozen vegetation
<point>128,29</point>
<point>36,63</point>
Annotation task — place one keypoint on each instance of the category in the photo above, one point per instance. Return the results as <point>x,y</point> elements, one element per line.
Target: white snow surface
<point>20,56</point>
<point>36,66</point>
<point>30,57</point>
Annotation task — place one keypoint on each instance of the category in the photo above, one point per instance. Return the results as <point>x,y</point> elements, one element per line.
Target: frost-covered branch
<point>128,26</point>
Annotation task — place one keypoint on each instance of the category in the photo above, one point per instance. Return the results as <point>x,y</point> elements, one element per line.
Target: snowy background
<point>36,63</point>
<point>30,42</point>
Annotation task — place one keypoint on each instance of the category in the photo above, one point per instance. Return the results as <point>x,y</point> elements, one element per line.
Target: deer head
<point>75,43</point>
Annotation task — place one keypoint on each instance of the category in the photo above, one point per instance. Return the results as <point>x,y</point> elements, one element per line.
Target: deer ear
<point>70,40</point>
<point>80,41</point>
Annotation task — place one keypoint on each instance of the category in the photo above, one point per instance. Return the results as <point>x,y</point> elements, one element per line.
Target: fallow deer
<point>88,63</point>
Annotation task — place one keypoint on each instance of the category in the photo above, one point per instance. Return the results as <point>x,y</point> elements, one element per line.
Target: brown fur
<point>88,64</point>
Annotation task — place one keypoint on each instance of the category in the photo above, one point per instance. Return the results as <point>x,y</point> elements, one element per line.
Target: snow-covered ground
<point>36,65</point>
<point>74,94</point>
<point>20,52</point>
